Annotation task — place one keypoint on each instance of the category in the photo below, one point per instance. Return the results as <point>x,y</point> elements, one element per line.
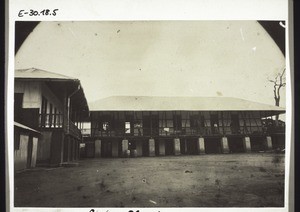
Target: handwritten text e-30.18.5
<point>45,12</point>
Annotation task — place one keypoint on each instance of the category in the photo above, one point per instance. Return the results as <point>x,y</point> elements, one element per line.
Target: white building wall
<point>20,155</point>
<point>32,93</point>
<point>34,151</point>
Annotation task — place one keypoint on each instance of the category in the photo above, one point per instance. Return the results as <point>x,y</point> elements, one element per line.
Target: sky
<point>159,58</point>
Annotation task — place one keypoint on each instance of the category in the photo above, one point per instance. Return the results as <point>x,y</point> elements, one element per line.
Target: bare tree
<point>278,83</point>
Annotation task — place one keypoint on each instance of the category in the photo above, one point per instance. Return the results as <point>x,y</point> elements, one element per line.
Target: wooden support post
<point>124,147</point>
<point>247,144</point>
<point>249,118</point>
<point>69,149</point>
<point>62,143</point>
<point>150,114</point>
<point>64,125</point>
<point>201,146</point>
<point>268,143</point>
<point>151,147</point>
<point>224,145</point>
<point>176,146</point>
<point>222,117</point>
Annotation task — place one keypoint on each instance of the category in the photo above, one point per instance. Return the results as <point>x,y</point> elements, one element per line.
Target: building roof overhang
<point>22,126</point>
<point>57,83</point>
<point>155,103</point>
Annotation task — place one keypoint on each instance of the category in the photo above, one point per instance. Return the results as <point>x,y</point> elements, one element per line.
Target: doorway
<point>106,148</point>
<point>212,145</point>
<point>169,145</point>
<point>236,144</point>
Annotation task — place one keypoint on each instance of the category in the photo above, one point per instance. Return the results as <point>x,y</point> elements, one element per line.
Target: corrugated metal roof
<point>154,103</point>
<point>34,73</point>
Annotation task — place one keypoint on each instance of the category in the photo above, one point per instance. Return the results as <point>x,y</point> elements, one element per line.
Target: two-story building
<point>153,126</point>
<point>53,106</point>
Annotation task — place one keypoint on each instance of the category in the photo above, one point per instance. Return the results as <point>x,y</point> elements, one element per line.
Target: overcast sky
<point>162,58</point>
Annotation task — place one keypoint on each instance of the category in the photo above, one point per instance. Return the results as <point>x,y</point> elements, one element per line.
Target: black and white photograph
<point>141,114</point>
<point>129,106</point>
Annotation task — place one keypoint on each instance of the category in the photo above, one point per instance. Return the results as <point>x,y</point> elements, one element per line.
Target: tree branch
<point>282,77</point>
<point>278,83</point>
<point>275,95</point>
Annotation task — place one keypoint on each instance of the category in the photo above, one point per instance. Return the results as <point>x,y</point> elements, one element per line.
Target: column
<point>268,143</point>
<point>114,148</point>
<point>69,149</point>
<point>34,151</point>
<point>65,127</point>
<point>98,148</point>
<point>201,146</point>
<point>151,147</point>
<point>247,144</point>
<point>185,147</point>
<point>78,150</point>
<point>162,148</point>
<point>62,146</point>
<point>176,146</point>
<point>125,148</point>
<point>224,145</point>
<point>73,149</point>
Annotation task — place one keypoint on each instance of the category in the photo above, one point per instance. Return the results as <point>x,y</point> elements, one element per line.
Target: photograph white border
<point>97,10</point>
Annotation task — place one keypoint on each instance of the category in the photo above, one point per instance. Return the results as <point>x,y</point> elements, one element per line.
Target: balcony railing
<point>73,130</point>
<point>51,120</point>
<point>184,131</point>
<point>86,132</point>
<point>55,121</point>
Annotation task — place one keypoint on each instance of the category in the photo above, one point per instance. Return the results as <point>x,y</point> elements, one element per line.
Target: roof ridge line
<point>50,72</point>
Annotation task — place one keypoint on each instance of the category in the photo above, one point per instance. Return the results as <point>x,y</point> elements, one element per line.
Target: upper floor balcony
<point>56,121</point>
<point>187,131</point>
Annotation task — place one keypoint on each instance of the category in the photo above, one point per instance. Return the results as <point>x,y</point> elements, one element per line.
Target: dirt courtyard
<point>221,180</point>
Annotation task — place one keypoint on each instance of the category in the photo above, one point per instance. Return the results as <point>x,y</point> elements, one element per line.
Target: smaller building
<point>25,146</point>
<point>55,106</point>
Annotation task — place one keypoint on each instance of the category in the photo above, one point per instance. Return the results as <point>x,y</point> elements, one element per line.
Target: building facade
<point>157,126</point>
<point>53,105</point>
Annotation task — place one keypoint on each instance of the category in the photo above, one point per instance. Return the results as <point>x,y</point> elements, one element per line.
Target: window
<point>105,123</point>
<point>127,127</point>
<point>129,124</point>
<point>197,121</point>
<point>105,126</point>
<point>214,123</point>
<point>18,106</point>
<point>177,122</point>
